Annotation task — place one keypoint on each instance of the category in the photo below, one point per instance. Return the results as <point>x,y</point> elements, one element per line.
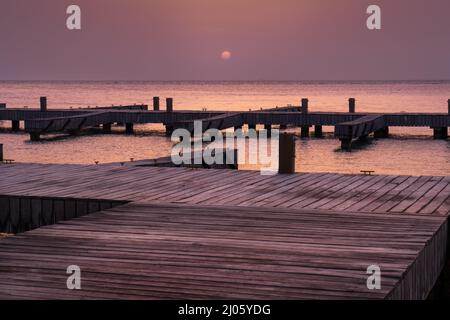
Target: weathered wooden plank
<point>202,252</point>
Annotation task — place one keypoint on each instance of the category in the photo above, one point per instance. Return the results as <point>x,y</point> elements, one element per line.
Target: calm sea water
<point>409,151</point>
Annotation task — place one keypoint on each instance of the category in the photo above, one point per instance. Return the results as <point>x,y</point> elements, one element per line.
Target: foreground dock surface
<point>199,234</point>
<point>163,251</point>
<point>338,192</point>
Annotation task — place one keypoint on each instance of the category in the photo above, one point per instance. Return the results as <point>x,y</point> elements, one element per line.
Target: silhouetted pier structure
<point>349,126</point>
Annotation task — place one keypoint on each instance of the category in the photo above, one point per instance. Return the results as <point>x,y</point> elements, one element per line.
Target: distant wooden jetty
<point>349,126</point>
<point>154,232</point>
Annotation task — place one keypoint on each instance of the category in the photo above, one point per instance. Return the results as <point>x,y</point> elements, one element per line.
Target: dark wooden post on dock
<point>169,109</point>
<point>15,125</point>
<point>447,102</point>
<point>155,103</point>
<point>169,129</point>
<point>440,133</point>
<point>43,101</point>
<point>318,131</point>
<point>305,105</point>
<point>346,144</point>
<point>352,105</point>
<point>305,129</point>
<point>35,136</point>
<point>1,152</point>
<point>286,154</point>
<point>382,133</point>
<point>268,128</point>
<point>169,104</point>
<point>129,128</point>
<point>107,128</point>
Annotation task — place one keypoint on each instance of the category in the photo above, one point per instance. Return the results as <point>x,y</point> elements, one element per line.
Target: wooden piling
<point>305,129</point>
<point>346,144</point>
<point>15,125</point>
<point>351,105</point>
<point>448,106</point>
<point>35,136</point>
<point>286,154</point>
<point>268,128</point>
<point>169,129</point>
<point>440,133</point>
<point>107,128</point>
<point>305,103</point>
<point>169,104</point>
<point>129,128</point>
<point>382,133</point>
<point>155,103</point>
<point>43,101</point>
<point>318,132</point>
<point>1,152</point>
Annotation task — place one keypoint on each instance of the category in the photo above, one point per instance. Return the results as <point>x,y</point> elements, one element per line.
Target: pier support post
<point>73,132</point>
<point>15,125</point>
<point>35,136</point>
<point>286,154</point>
<point>169,129</point>
<point>129,128</point>
<point>107,128</point>
<point>351,105</point>
<point>447,102</point>
<point>346,144</point>
<point>382,133</point>
<point>268,128</point>
<point>440,133</point>
<point>318,133</point>
<point>363,138</point>
<point>305,105</point>
<point>169,104</point>
<point>304,132</point>
<point>43,101</point>
<point>1,152</point>
<point>155,103</point>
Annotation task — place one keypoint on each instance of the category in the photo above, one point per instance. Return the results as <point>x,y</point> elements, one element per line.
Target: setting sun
<point>226,55</point>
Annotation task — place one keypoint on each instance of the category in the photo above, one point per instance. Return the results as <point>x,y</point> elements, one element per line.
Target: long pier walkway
<point>349,126</point>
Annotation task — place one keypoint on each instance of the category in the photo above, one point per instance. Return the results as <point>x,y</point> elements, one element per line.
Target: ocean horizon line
<point>233,81</point>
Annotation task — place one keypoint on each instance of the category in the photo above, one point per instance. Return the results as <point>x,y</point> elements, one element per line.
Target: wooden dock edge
<point>421,277</point>
<point>24,213</point>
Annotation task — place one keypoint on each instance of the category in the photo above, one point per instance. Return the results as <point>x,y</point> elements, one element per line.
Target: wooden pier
<point>349,126</point>
<point>140,232</point>
<point>168,251</point>
<point>155,232</point>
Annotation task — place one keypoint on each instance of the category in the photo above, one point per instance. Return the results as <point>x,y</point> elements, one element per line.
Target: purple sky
<point>184,39</point>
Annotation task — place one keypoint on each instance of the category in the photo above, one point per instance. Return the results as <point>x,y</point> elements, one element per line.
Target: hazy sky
<point>184,40</point>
